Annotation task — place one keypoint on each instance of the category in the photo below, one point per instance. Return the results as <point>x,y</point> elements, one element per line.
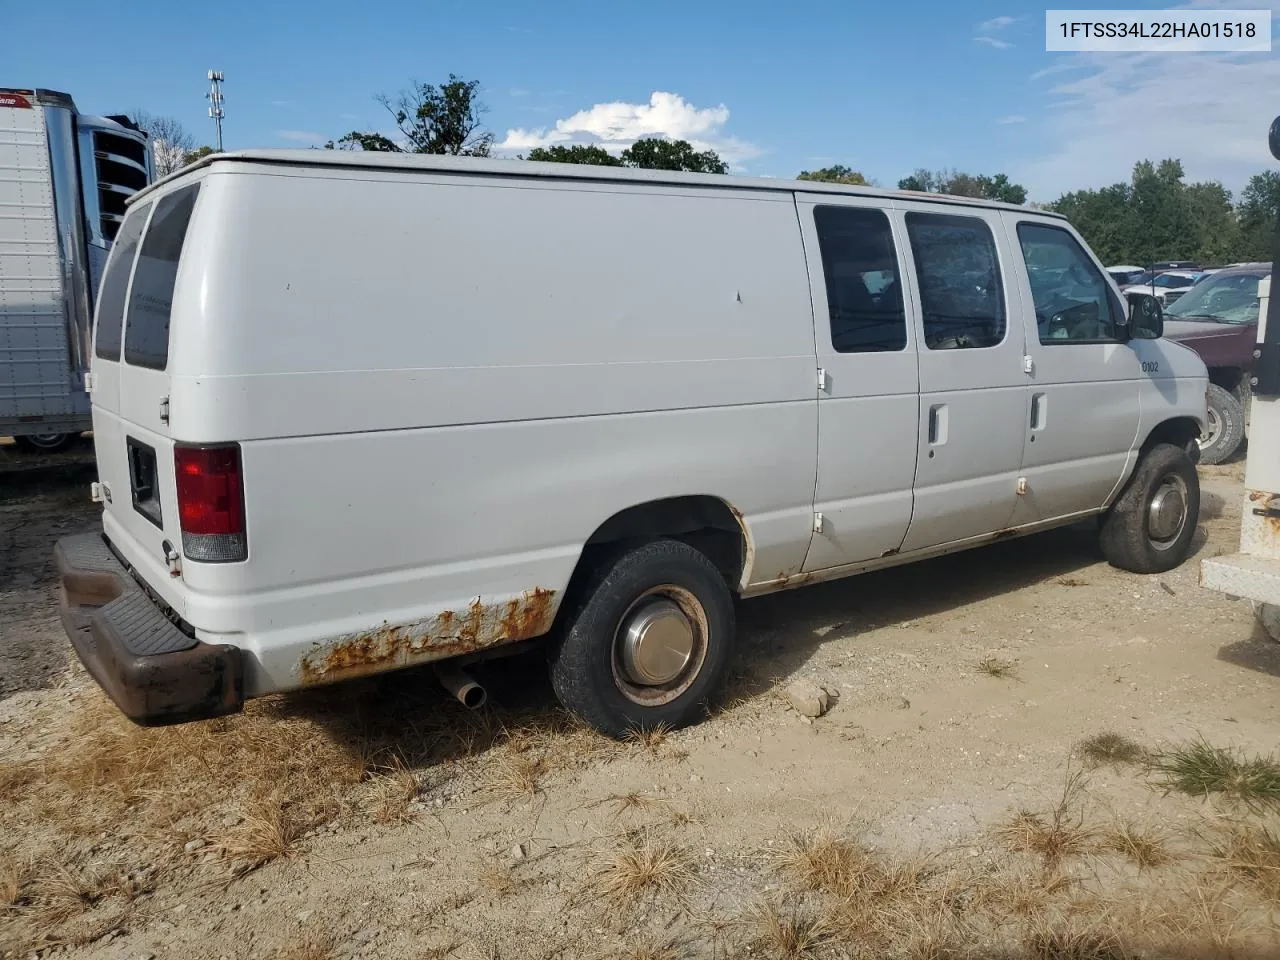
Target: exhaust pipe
<point>468,693</point>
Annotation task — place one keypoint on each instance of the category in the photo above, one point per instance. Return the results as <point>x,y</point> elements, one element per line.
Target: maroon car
<point>1218,319</point>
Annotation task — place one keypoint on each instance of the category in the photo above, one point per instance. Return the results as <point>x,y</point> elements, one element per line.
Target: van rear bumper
<point>153,671</point>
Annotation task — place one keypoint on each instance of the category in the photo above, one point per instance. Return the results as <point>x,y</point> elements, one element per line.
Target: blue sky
<point>883,87</point>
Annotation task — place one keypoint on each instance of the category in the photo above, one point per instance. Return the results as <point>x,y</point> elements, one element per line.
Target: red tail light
<point>211,503</point>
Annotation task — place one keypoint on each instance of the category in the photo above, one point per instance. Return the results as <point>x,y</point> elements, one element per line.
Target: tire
<point>594,667</point>
<point>1226,426</point>
<point>43,442</point>
<point>1138,538</point>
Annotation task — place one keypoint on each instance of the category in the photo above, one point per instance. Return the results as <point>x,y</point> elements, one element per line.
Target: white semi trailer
<point>1254,572</point>
<point>64,178</point>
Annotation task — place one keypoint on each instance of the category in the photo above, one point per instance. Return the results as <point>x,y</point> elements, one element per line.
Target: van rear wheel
<point>1150,527</point>
<point>648,641</point>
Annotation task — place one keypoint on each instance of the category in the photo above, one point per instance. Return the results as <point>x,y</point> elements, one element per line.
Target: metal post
<point>1266,369</point>
<point>215,102</point>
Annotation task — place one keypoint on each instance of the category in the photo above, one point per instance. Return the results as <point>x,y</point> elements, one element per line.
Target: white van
<point>355,412</point>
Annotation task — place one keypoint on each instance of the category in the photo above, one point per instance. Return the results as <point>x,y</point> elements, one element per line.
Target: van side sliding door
<point>868,394</point>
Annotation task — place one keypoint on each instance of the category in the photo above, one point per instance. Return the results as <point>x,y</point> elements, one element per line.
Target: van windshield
<point>146,336</point>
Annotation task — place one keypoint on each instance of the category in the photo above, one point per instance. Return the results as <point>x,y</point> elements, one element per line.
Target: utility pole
<point>214,96</point>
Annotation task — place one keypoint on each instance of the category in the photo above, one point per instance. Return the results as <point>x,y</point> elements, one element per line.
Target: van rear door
<point>131,418</point>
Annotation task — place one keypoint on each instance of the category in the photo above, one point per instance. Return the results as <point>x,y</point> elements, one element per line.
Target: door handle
<point>937,424</point>
<point>1039,411</point>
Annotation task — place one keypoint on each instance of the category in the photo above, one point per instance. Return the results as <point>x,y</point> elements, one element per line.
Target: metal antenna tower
<point>214,96</point>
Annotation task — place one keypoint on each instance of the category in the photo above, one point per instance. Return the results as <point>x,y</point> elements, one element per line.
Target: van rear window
<point>115,283</point>
<point>146,332</point>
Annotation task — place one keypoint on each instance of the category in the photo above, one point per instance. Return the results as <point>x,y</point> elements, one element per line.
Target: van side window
<point>860,266</point>
<point>1073,301</point>
<point>146,332</point>
<point>115,282</point>
<point>959,274</point>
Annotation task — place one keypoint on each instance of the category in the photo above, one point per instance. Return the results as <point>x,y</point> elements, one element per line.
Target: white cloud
<point>518,92</point>
<point>300,136</point>
<point>282,103</point>
<point>998,44</point>
<point>1011,118</point>
<point>1210,110</point>
<point>996,23</point>
<point>615,126</point>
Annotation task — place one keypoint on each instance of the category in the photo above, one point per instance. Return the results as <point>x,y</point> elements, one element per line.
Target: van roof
<point>355,159</point>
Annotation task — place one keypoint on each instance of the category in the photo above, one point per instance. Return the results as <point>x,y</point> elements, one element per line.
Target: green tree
<point>1259,216</point>
<point>658,153</point>
<point>443,119</point>
<point>194,155</point>
<point>651,153</point>
<point>373,142</point>
<point>1104,218</point>
<point>576,153</point>
<point>1156,216</point>
<point>834,174</point>
<point>958,184</point>
<point>999,188</point>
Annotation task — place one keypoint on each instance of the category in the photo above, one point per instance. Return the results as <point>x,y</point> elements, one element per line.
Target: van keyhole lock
<point>171,559</point>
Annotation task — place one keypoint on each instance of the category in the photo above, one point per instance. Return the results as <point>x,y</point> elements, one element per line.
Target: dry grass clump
<point>390,794</point>
<point>1111,748</point>
<point>868,898</point>
<point>56,902</point>
<point>553,744</point>
<point>825,861</point>
<point>644,868</point>
<point>268,830</point>
<point>1251,852</point>
<point>1199,769</point>
<point>1090,939</point>
<point>1055,836</point>
<point>997,668</point>
<point>517,776</point>
<point>788,932</point>
<point>1145,848</point>
<point>12,876</point>
<point>631,802</point>
<point>656,742</point>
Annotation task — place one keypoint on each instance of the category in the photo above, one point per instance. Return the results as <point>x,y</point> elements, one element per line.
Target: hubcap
<point>660,645</point>
<point>1167,512</point>
<point>1212,426</point>
<point>657,644</point>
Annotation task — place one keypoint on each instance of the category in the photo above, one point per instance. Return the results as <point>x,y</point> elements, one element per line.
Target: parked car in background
<point>1164,265</point>
<point>1218,319</point>
<point>1166,287</point>
<point>1124,274</point>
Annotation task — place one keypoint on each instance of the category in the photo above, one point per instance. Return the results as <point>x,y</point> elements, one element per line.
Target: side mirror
<point>1273,138</point>
<point>1146,317</point>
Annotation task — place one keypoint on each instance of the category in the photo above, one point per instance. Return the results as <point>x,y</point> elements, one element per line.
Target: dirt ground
<point>943,807</point>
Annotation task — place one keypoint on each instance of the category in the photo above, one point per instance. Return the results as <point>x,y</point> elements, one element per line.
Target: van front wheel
<point>1150,527</point>
<point>648,642</point>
